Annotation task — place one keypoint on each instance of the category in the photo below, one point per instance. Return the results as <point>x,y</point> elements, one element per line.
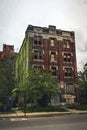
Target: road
<point>67,122</point>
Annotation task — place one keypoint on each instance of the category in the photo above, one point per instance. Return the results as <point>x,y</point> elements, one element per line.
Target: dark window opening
<point>67,57</point>
<point>53,71</point>
<point>45,30</point>
<point>59,32</point>
<point>66,43</point>
<point>38,55</point>
<point>38,67</point>
<point>68,72</point>
<point>53,53</point>
<point>37,41</point>
<point>67,60</point>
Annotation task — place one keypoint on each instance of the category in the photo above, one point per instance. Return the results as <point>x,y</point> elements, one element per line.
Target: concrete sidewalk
<point>77,111</point>
<point>41,114</point>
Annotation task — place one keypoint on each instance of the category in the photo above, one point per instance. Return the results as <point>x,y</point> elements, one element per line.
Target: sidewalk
<point>41,114</point>
<point>73,111</point>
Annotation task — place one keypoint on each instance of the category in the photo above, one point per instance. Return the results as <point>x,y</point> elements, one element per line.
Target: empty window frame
<point>70,89</point>
<point>67,57</point>
<point>53,56</point>
<point>54,70</point>
<point>37,41</point>
<point>52,42</point>
<point>38,55</point>
<point>66,43</point>
<point>41,67</point>
<point>68,72</point>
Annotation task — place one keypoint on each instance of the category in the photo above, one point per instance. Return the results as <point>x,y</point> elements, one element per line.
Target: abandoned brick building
<point>53,50</point>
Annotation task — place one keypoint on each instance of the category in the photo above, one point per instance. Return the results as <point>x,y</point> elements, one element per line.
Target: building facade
<point>6,49</point>
<point>52,50</point>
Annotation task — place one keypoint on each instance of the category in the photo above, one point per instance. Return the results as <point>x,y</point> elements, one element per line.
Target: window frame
<point>38,55</point>
<point>67,57</point>
<point>37,41</point>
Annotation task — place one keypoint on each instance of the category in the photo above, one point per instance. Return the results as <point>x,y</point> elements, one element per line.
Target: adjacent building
<point>6,49</point>
<point>52,50</point>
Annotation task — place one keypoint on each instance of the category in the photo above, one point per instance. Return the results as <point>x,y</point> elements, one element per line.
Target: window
<point>52,42</point>
<point>53,70</point>
<point>66,43</point>
<point>45,30</point>
<point>41,67</point>
<point>38,55</point>
<point>53,56</point>
<point>37,41</point>
<point>67,57</point>
<point>59,32</point>
<point>70,88</point>
<point>68,72</point>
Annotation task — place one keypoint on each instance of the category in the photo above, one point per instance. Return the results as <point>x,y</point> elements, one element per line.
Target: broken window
<point>67,57</point>
<point>52,42</point>
<point>53,56</point>
<point>38,67</point>
<point>37,41</point>
<point>68,72</point>
<point>53,70</point>
<point>70,89</point>
<point>66,43</point>
<point>38,55</point>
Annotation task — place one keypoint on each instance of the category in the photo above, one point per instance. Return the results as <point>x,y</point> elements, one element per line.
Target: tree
<point>83,84</point>
<point>41,87</point>
<point>6,77</point>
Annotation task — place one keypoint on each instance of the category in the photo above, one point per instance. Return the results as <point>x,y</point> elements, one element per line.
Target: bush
<point>82,107</point>
<point>1,107</point>
<point>43,109</point>
<point>72,106</point>
<point>78,107</point>
<point>83,102</point>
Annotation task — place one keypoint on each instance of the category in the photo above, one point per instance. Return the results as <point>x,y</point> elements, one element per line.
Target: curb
<point>42,114</point>
<point>48,114</point>
<point>31,115</point>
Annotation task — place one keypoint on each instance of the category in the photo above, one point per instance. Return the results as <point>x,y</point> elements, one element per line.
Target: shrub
<point>1,107</point>
<point>44,109</point>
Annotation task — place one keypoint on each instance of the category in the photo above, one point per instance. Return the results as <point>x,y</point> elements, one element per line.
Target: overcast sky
<point>16,15</point>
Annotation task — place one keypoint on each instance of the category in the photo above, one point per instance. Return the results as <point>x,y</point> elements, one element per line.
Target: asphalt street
<point>67,122</point>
